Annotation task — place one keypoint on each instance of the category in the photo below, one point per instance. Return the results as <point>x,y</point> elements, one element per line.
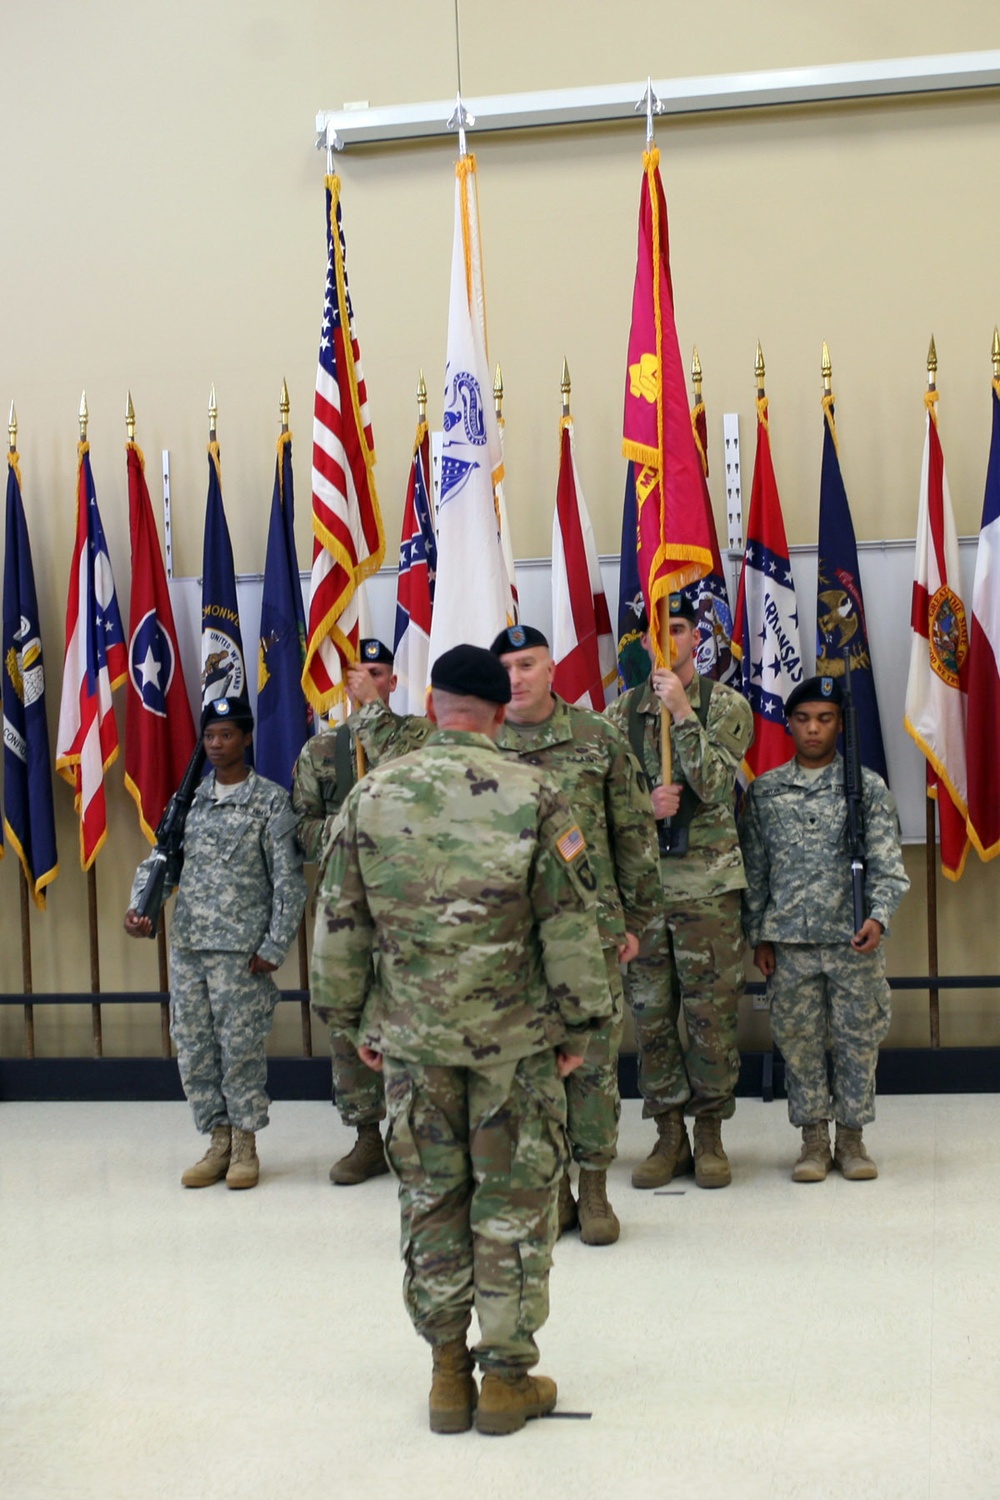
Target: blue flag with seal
<point>840,607</point>
<point>284,718</point>
<point>28,815</point>
<point>633,663</point>
<point>223,666</point>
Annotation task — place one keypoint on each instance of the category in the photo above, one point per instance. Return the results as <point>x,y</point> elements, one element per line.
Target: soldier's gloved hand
<point>260,965</point>
<point>868,939</point>
<point>666,799</point>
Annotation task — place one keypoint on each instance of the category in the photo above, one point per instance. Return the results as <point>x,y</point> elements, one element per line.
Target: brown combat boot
<point>670,1157</point>
<point>244,1168</point>
<point>365,1159</point>
<point>452,1400</point>
<point>814,1159</point>
<point>850,1156</point>
<point>598,1221</point>
<point>567,1205</point>
<point>711,1164</point>
<point>509,1397</point>
<point>214,1164</point>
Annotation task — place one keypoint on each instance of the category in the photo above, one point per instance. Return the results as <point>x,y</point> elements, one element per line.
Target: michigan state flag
<point>284,718</point>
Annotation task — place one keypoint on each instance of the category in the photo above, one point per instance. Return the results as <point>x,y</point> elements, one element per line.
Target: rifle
<point>854,793</point>
<point>168,856</point>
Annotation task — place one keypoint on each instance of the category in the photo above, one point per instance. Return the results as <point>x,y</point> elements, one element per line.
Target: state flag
<point>284,718</point>
<point>583,646</point>
<point>713,654</point>
<point>983,740</point>
<point>415,584</point>
<point>634,665</point>
<point>223,664</point>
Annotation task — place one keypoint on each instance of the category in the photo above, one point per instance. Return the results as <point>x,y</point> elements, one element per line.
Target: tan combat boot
<point>567,1205</point>
<point>244,1168</point>
<point>365,1159</point>
<point>509,1397</point>
<point>213,1165</point>
<point>711,1164</point>
<point>850,1156</point>
<point>814,1159</point>
<point>670,1157</point>
<point>598,1221</point>
<point>453,1394</point>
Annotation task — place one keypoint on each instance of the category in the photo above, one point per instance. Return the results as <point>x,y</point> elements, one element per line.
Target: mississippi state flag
<point>936,685</point>
<point>583,647</point>
<point>766,623</point>
<point>159,729</point>
<point>94,665</point>
<point>984,664</point>
<point>415,585</point>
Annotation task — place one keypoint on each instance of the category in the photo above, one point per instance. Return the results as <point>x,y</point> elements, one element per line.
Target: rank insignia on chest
<point>571,844</point>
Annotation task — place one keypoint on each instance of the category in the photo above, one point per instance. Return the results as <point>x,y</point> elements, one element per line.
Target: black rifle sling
<point>343,759</point>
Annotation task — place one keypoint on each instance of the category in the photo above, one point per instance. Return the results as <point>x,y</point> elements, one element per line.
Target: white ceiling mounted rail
<point>881,78</point>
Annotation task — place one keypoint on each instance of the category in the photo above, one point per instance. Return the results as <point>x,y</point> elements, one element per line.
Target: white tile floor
<point>772,1340</point>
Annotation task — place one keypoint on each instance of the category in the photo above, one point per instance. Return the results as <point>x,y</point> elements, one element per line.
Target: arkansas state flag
<point>94,665</point>
<point>284,718</point>
<point>984,664</point>
<point>766,623</point>
<point>415,585</point>
<point>674,546</point>
<point>159,729</point>
<point>583,647</point>
<point>936,686</point>
<point>713,655</point>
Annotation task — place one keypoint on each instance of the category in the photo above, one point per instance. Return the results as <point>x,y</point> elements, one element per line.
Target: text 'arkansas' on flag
<point>984,660</point>
<point>284,718</point>
<point>583,647</point>
<point>415,584</point>
<point>28,813</point>
<point>348,535</point>
<point>95,663</point>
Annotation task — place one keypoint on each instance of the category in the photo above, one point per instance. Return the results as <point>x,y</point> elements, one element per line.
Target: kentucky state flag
<point>284,718</point>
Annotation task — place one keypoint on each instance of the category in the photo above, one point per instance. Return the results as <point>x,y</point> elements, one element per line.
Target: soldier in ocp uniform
<point>826,982</point>
<point>239,906</point>
<point>692,955</point>
<point>325,772</point>
<point>456,943</point>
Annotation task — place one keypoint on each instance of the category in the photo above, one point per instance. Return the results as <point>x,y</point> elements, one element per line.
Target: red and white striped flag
<point>96,662</point>
<point>984,663</point>
<point>583,645</point>
<point>936,687</point>
<point>349,539</point>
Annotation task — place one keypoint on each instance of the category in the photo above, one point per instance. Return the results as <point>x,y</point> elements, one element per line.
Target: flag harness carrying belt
<point>676,842</point>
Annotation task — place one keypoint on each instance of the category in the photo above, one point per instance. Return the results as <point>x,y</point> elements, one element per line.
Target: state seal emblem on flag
<point>948,635</point>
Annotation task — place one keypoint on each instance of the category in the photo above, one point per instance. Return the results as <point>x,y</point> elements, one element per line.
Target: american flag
<point>96,662</point>
<point>349,539</point>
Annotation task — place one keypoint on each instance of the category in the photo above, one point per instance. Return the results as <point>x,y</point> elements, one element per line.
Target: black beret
<point>371,651</point>
<point>815,690</point>
<point>681,608</point>
<point>471,672</point>
<point>518,638</point>
<point>237,710</point>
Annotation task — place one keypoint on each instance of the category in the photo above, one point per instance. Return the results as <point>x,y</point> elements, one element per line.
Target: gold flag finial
<point>421,398</point>
<point>498,391</point>
<point>284,405</point>
<point>84,417</point>
<point>12,428</point>
<point>696,373</point>
<point>826,370</point>
<point>932,366</point>
<point>758,370</point>
<point>996,357</point>
<point>129,418</point>
<point>213,415</point>
<point>565,386</point>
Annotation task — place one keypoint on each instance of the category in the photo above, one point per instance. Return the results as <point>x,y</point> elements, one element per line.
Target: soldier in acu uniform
<point>590,763</point>
<point>825,981</point>
<point>456,942</point>
<point>241,897</point>
<point>325,772</point>
<point>692,956</point>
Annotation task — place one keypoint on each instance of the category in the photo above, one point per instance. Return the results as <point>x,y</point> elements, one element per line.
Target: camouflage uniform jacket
<point>242,888</point>
<point>794,833</point>
<point>316,792</point>
<point>708,760</point>
<point>603,783</point>
<point>455,920</point>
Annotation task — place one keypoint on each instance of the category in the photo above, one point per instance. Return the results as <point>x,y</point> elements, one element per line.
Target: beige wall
<point>163,229</point>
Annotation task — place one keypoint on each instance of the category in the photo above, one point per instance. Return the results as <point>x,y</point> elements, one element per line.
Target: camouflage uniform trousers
<point>358,1091</point>
<point>220,1018</point>
<point>593,1103</point>
<point>827,997</point>
<point>692,956</point>
<point>479,1153</point>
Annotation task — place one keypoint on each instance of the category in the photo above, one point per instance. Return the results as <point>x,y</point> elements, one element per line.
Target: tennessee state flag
<point>159,729</point>
<point>415,584</point>
<point>583,647</point>
<point>984,664</point>
<point>674,546</point>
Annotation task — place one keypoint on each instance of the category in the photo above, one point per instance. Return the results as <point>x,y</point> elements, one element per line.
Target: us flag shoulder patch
<point>571,844</point>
